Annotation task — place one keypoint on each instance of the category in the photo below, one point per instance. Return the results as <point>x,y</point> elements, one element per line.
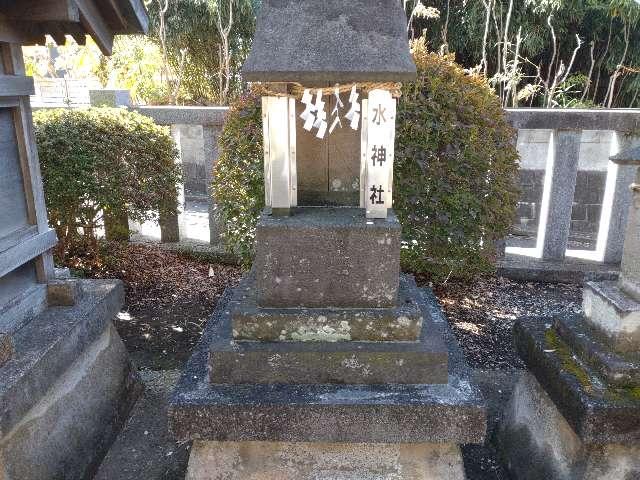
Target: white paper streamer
<point>307,99</point>
<point>353,114</point>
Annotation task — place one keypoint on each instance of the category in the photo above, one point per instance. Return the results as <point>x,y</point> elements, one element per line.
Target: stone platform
<point>67,389</point>
<point>436,417</point>
<point>401,322</point>
<point>577,414</point>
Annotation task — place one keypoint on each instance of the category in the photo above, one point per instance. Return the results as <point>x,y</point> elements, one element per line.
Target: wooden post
<point>278,148</point>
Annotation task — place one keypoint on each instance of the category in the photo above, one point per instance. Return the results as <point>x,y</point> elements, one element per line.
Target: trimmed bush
<point>103,161</point>
<point>455,171</point>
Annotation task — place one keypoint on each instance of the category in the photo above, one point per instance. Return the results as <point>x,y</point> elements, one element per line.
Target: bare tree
<point>224,52</point>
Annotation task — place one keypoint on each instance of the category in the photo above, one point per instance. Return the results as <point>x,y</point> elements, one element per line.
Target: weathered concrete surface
<point>399,323</point>
<point>618,119</point>
<point>569,270</point>
<point>6,348</point>
<point>324,461</point>
<point>50,343</point>
<point>583,341</point>
<point>614,314</point>
<point>598,413</point>
<point>357,42</point>
<point>350,362</point>
<point>145,450</point>
<point>537,442</point>
<point>564,169</point>
<point>67,432</point>
<point>630,268</point>
<point>327,257</point>
<point>447,413</point>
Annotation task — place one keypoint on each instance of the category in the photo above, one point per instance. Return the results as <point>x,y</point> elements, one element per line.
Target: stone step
<point>613,313</point>
<point>599,413</point>
<point>239,362</point>
<point>392,413</point>
<point>584,342</point>
<point>251,322</point>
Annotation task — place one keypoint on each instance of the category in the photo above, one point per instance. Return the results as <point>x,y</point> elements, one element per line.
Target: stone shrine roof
<point>330,41</point>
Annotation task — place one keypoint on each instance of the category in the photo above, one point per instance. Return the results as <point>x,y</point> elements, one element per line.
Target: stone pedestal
<point>314,392</point>
<point>577,415</point>
<point>67,389</point>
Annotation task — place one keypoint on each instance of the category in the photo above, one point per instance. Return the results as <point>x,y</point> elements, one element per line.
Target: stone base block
<point>327,257</point>
<point>402,322</point>
<point>537,442</point>
<point>311,362</point>
<point>247,362</point>
<point>615,369</point>
<point>389,413</point>
<point>68,389</point>
<point>599,413</point>
<point>324,461</point>
<point>614,314</point>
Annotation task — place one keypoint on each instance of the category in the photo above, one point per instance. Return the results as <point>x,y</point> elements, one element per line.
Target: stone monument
<point>577,414</point>
<point>66,382</point>
<point>325,362</point>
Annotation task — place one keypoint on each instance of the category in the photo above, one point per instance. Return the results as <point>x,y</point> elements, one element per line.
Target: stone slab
<point>614,314</point>
<point>391,413</point>
<point>403,322</point>
<point>536,441</point>
<point>69,429</point>
<point>46,347</point>
<point>299,362</point>
<point>327,257</point>
<point>324,461</point>
<point>597,412</point>
<point>358,42</point>
<point>6,348</point>
<point>570,270</point>
<point>613,367</point>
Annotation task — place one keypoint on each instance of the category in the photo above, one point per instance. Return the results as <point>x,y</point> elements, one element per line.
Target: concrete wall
<point>595,148</point>
<point>193,165</point>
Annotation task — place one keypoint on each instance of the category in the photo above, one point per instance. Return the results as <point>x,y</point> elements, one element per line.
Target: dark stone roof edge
<point>309,77</point>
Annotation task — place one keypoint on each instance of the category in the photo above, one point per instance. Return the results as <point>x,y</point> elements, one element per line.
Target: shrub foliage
<point>238,180</point>
<point>455,171</point>
<point>103,161</point>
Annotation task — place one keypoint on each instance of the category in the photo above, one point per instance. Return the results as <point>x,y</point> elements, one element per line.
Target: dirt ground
<point>170,296</point>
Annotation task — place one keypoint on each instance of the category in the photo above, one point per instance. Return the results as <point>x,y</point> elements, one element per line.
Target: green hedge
<point>103,160</point>
<point>455,171</point>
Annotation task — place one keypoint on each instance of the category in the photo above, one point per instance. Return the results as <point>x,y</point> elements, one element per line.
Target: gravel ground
<point>170,296</point>
<point>482,314</point>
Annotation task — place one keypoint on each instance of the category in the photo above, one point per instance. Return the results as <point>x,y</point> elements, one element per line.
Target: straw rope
<point>296,89</point>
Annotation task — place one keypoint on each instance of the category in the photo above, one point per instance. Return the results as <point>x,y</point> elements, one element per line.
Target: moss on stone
<point>569,364</point>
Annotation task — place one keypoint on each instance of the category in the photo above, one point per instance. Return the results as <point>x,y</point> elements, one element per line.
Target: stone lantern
<point>325,362</point>
<point>576,413</point>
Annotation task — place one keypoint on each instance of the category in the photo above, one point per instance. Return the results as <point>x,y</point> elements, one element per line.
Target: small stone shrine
<point>576,415</point>
<point>66,382</point>
<point>325,362</point>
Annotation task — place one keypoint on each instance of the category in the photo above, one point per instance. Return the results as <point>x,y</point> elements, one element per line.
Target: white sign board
<point>378,156</point>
